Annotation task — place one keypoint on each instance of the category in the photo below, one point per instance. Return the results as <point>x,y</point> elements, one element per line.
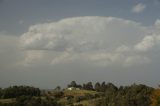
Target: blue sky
<point>46,43</point>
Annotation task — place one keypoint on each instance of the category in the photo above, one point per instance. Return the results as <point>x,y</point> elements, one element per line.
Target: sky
<point>46,43</point>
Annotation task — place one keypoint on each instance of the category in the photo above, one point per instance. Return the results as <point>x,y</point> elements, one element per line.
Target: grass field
<point>76,94</point>
<point>7,100</point>
<point>79,92</point>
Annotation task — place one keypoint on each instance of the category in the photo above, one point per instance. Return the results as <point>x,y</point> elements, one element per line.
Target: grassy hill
<point>75,97</point>
<point>133,95</point>
<point>78,97</point>
<point>79,92</point>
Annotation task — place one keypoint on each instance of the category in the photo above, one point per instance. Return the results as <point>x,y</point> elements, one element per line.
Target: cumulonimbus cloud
<point>96,39</point>
<point>81,34</point>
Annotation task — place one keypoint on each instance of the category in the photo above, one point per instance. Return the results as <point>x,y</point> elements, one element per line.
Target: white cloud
<point>123,48</point>
<point>63,57</point>
<point>105,59</point>
<point>139,8</point>
<point>136,60</point>
<point>149,42</point>
<point>146,44</point>
<point>31,57</point>
<point>157,23</point>
<point>81,34</point>
<point>100,39</point>
<point>92,39</point>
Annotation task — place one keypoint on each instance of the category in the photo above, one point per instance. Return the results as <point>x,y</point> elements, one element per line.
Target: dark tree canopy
<point>15,91</point>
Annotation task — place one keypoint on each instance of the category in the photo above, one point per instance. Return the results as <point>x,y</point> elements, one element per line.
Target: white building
<point>72,88</point>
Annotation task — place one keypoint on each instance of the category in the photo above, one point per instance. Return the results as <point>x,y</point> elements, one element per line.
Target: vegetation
<point>155,97</point>
<point>101,94</point>
<point>16,91</point>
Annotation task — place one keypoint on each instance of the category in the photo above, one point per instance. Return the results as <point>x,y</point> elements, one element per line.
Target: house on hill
<point>72,88</point>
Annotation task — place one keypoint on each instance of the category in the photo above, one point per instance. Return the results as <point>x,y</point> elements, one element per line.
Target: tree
<point>103,87</point>
<point>97,86</point>
<point>58,88</point>
<point>1,92</point>
<point>15,91</point>
<point>88,86</point>
<point>72,84</point>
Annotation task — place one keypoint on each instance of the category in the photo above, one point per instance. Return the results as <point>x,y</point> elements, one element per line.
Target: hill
<point>100,95</point>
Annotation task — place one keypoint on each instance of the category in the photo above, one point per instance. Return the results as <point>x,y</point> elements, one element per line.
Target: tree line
<point>16,91</point>
<point>134,95</point>
<point>25,96</point>
<point>111,95</point>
